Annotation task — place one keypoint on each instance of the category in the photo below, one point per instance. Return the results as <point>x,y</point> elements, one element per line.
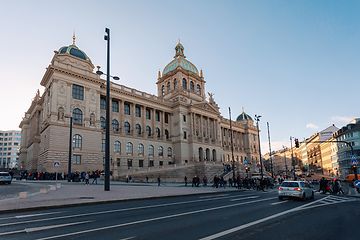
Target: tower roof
<point>243,116</point>
<point>74,51</point>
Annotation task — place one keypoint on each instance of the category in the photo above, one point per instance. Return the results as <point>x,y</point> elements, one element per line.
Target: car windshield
<point>289,184</point>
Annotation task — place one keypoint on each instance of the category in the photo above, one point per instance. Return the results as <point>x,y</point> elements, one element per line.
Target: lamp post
<point>107,120</point>
<point>257,119</point>
<point>285,159</point>
<point>292,155</point>
<point>70,147</point>
<point>232,147</point>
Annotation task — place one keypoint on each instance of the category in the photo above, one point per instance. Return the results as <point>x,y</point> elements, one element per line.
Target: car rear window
<point>289,184</point>
<point>4,174</point>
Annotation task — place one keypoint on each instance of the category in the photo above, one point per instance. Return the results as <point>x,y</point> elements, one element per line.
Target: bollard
<point>52,187</point>
<point>42,190</point>
<point>22,194</point>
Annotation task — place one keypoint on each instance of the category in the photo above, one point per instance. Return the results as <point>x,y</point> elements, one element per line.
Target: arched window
<point>151,150</point>
<point>127,127</point>
<point>167,134</point>
<point>207,154</point>
<point>163,90</point>
<point>77,141</point>
<point>184,83</point>
<point>169,152</point>
<point>141,149</point>
<point>148,131</point>
<point>129,148</point>
<point>214,155</point>
<point>169,86</point>
<point>175,83</point>
<point>138,129</point>
<point>192,86</point>
<point>161,151</point>
<point>103,123</point>
<point>157,132</point>
<point>115,124</point>
<point>198,90</point>
<point>77,115</point>
<point>117,146</point>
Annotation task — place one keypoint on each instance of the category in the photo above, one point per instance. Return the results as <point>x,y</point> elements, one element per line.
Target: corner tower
<point>181,77</point>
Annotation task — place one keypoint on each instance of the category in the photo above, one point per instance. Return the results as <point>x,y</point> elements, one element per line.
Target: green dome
<point>180,61</point>
<point>75,51</point>
<point>243,116</point>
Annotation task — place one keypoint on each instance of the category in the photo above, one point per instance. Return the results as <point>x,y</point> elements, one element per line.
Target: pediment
<point>206,106</point>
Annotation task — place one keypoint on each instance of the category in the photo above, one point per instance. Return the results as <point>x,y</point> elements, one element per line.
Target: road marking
<point>154,219</point>
<point>238,199</point>
<point>306,206</point>
<point>278,202</point>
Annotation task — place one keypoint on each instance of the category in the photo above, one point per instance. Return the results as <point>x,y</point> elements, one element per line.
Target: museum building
<point>178,126</point>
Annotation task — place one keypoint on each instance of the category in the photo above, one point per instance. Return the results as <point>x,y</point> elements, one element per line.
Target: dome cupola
<point>74,51</point>
<point>243,116</point>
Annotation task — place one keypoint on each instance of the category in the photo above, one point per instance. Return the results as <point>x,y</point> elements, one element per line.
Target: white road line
<point>306,206</point>
<point>278,202</point>
<point>238,199</point>
<point>112,211</point>
<point>31,215</point>
<point>154,219</point>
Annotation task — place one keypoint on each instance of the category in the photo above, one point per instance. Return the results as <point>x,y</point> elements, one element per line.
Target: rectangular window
<point>148,116</point>
<point>76,159</point>
<point>118,162</point>
<point>137,111</point>
<point>166,118</point>
<point>102,102</point>
<point>157,116</point>
<point>78,92</point>
<point>141,163</point>
<point>161,163</point>
<point>127,109</point>
<point>184,118</point>
<point>185,135</point>
<point>129,163</point>
<point>151,163</point>
<point>115,106</point>
<point>102,145</point>
<point>17,139</point>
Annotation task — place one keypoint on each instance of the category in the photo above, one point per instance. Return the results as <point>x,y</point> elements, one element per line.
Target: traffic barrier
<point>52,188</point>
<point>58,185</point>
<point>22,194</point>
<point>42,190</point>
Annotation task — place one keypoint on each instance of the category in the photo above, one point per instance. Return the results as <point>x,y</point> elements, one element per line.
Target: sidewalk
<point>77,193</point>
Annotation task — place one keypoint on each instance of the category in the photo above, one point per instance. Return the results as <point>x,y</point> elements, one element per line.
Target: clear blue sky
<point>295,63</point>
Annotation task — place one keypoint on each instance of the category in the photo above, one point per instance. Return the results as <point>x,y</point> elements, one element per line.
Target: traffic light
<point>296,143</point>
<point>247,169</point>
<point>354,168</point>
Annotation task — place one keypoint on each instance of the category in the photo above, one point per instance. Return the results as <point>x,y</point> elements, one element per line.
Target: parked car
<point>295,189</point>
<point>5,177</point>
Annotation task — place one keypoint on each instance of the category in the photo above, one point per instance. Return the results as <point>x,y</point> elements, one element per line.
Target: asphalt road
<point>237,215</point>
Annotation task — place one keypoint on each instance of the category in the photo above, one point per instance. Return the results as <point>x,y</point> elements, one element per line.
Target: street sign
<point>245,162</point>
<point>357,183</point>
<point>258,166</point>
<point>353,160</point>
<point>56,164</point>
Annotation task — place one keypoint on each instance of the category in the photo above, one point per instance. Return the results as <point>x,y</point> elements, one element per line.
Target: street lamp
<point>107,119</point>
<point>232,147</point>
<point>292,155</point>
<point>257,119</point>
<point>70,147</point>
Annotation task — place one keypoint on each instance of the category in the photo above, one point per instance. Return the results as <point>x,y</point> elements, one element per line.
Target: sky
<point>295,63</point>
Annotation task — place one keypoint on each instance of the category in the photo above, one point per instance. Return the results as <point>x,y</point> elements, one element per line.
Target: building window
<point>103,123</point>
<point>157,116</point>
<point>148,131</point>
<point>77,141</point>
<point>102,145</point>
<point>198,90</point>
<point>115,124</point>
<point>151,163</point>
<point>167,134</point>
<point>169,152</point>
<point>138,129</point>
<point>175,83</point>
<point>137,111</point>
<point>141,149</point>
<point>78,92</point>
<point>118,162</point>
<point>102,102</point>
<point>163,90</point>
<point>77,116</point>
<point>129,163</point>
<point>129,148</point>
<point>161,163</point>
<point>184,118</point>
<point>115,106</point>
<point>141,163</point>
<point>151,150</point>
<point>148,116</point>
<point>127,108</point>
<point>76,159</point>
<point>166,118</point>
<point>192,86</point>
<point>158,132</point>
<point>184,83</point>
<point>169,86</point>
<point>185,135</point>
<point>117,146</point>
<point>127,127</point>
<point>161,151</point>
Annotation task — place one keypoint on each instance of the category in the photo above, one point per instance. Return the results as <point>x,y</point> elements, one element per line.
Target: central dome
<point>180,61</point>
<point>75,51</point>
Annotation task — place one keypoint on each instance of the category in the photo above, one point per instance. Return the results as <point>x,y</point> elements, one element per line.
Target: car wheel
<point>281,198</point>
<point>312,195</point>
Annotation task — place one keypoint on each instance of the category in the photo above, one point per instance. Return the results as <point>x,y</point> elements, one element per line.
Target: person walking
<point>95,175</point>
<point>185,179</point>
<point>159,181</point>
<point>87,177</point>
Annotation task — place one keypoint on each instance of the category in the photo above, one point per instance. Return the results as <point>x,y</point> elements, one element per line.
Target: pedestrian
<point>95,176</point>
<point>147,178</point>
<point>87,176</point>
<point>185,179</point>
<point>205,181</point>
<point>159,181</point>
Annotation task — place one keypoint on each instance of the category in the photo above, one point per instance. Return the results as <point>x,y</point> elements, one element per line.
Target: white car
<point>295,189</point>
<point>5,177</point>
